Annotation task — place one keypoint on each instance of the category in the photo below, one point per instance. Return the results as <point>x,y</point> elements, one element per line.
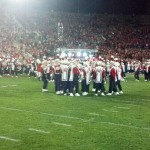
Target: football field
<point>32,120</point>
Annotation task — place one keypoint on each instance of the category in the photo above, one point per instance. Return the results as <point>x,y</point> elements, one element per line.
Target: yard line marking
<point>12,85</point>
<point>131,104</point>
<point>5,86</point>
<point>104,109</point>
<point>123,125</point>
<point>63,116</point>
<point>8,139</point>
<point>109,110</point>
<point>140,100</point>
<point>48,114</point>
<point>114,111</point>
<point>147,100</point>
<point>40,131</point>
<point>132,101</point>
<point>14,109</point>
<point>62,124</point>
<point>122,107</point>
<point>95,114</point>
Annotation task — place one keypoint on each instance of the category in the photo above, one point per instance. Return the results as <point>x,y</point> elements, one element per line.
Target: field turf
<point>32,120</point>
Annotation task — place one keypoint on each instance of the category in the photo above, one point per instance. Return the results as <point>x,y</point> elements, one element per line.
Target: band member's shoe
<point>102,94</point>
<point>109,94</point>
<point>44,90</point>
<point>77,94</point>
<point>71,94</point>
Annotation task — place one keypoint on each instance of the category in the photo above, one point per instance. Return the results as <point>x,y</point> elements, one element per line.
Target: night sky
<point>99,6</point>
<point>91,6</point>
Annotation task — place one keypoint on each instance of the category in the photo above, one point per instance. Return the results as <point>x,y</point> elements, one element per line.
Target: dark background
<point>86,6</point>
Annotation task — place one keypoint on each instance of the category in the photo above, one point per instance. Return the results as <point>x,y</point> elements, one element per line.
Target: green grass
<point>120,122</point>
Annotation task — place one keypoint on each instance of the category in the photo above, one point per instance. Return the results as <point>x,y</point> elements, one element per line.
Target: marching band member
<point>44,77</point>
<point>99,79</point>
<point>144,70</point>
<point>74,78</point>
<point>57,76</point>
<point>112,79</point>
<point>147,71</point>
<point>14,68</point>
<point>64,75</point>
<point>132,66</point>
<point>104,73</point>
<point>128,67</point>
<point>123,69</point>
<point>76,74</point>
<point>32,69</point>
<point>70,78</point>
<point>39,69</point>
<point>52,71</point>
<point>137,71</point>
<point>107,67</point>
<point>48,70</point>
<point>86,76</point>
<point>1,68</point>
<point>119,76</point>
<point>93,73</point>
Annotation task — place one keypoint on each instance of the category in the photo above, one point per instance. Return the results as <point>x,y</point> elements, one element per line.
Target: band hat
<point>13,60</point>
<point>112,56</point>
<point>38,61</point>
<point>117,64</point>
<point>103,64</point>
<point>112,63</point>
<point>65,62</point>
<point>86,63</point>
<point>57,61</point>
<point>99,63</point>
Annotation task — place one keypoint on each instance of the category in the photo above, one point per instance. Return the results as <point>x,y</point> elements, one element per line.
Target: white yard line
<point>62,124</point>
<point>40,131</point>
<point>63,116</point>
<point>14,109</point>
<point>12,85</point>
<point>121,107</point>
<point>48,114</point>
<point>5,86</point>
<point>131,104</point>
<point>95,114</point>
<point>123,125</point>
<point>9,139</point>
<point>147,100</point>
<point>110,110</point>
<point>69,117</point>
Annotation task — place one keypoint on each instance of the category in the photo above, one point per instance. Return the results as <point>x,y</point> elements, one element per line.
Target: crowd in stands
<point>24,35</point>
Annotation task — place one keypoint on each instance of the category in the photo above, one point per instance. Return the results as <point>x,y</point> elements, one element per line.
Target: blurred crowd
<point>26,35</point>
<point>28,43</point>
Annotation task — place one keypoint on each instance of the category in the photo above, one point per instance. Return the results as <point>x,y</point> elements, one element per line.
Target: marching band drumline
<point>67,74</point>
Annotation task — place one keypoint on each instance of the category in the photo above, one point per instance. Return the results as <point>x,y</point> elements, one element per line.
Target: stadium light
<point>84,54</point>
<point>63,54</point>
<point>17,1</point>
<point>69,54</point>
<point>78,54</point>
<point>90,56</point>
